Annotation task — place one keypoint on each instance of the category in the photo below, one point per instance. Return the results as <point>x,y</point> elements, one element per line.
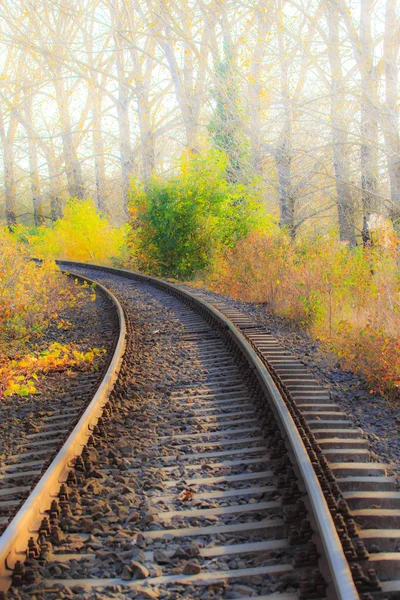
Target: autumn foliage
<point>82,234</point>
<point>197,224</point>
<point>20,376</point>
<point>33,296</point>
<point>347,298</point>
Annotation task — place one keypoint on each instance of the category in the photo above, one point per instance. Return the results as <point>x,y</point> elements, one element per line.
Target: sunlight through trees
<point>304,94</point>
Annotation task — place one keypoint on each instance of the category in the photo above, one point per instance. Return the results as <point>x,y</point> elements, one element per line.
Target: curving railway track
<point>44,427</point>
<point>214,467</point>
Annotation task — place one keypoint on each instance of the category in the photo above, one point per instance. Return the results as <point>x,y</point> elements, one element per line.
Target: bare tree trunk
<point>390,118</point>
<point>37,199</point>
<point>9,169</point>
<point>73,168</point>
<point>283,157</point>
<point>146,136</point>
<point>142,72</point>
<point>255,90</point>
<point>286,199</point>
<point>98,145</point>
<point>183,78</point>
<point>126,152</point>
<point>369,122</point>
<point>340,133</point>
<point>124,99</point>
<point>185,105</point>
<point>55,186</point>
<point>363,49</point>
<point>9,183</point>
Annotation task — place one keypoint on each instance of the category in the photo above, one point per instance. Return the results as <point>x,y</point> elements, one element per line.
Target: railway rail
<point>214,467</point>
<point>43,433</point>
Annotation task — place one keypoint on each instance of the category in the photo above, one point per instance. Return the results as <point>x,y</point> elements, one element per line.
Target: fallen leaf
<point>185,496</point>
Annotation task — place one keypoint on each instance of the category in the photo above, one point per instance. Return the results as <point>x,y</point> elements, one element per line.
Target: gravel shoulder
<point>377,416</point>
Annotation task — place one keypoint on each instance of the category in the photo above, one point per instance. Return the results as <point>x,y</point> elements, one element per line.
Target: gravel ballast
<point>378,416</point>
<point>137,487</point>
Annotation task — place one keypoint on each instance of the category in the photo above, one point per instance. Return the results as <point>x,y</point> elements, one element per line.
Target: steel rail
<point>339,578</point>
<point>25,524</point>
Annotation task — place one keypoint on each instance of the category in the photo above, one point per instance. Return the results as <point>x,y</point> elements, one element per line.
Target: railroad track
<point>43,433</point>
<point>218,469</point>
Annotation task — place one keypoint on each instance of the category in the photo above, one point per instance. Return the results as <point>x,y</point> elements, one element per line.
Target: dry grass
<point>349,299</point>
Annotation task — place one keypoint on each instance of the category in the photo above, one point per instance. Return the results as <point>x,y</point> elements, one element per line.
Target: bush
<point>179,223</point>
<point>348,299</point>
<point>83,234</point>
<point>31,295</point>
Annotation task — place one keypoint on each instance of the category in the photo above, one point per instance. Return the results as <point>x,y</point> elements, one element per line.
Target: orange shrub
<point>348,299</point>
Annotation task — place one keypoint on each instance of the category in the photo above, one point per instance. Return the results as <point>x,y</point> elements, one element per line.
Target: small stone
<point>133,516</point>
<point>161,558</point>
<point>121,535</point>
<point>148,519</point>
<point>191,568</point>
<point>180,553</point>
<point>126,574</point>
<point>138,554</point>
<point>244,590</point>
<point>97,508</point>
<point>149,592</point>
<point>138,540</point>
<point>139,571</point>
<point>88,525</point>
<point>193,550</point>
<point>212,518</point>
<point>103,554</point>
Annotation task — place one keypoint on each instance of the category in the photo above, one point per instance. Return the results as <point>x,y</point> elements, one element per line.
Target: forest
<point>250,146</point>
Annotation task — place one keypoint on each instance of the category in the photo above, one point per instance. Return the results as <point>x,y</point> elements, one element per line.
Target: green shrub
<point>179,223</point>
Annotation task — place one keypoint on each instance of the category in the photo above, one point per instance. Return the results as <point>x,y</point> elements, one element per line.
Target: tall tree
<point>389,116</point>
<point>7,136</point>
<point>340,141</point>
<point>121,86</point>
<point>363,51</point>
<point>124,99</point>
<point>37,198</point>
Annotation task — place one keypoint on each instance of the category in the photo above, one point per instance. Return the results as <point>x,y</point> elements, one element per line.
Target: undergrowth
<point>179,222</point>
<point>32,297</point>
<point>199,224</point>
<point>347,298</point>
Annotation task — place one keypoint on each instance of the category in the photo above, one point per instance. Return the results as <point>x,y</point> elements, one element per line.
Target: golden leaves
<point>19,376</point>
